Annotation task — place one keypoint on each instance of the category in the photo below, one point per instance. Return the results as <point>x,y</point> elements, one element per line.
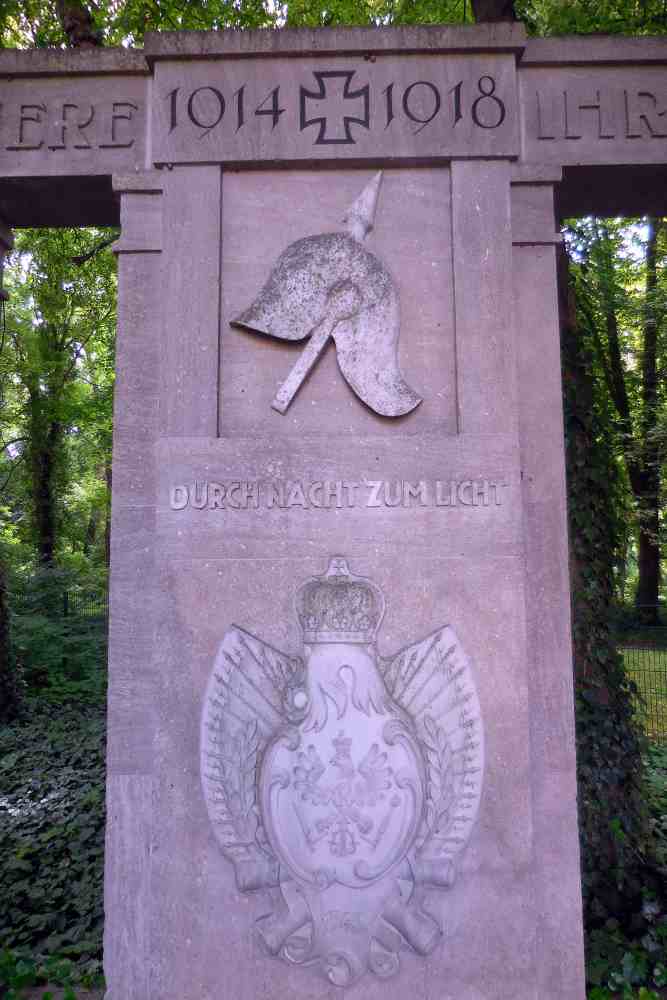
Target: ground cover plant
<point>52,777</point>
<point>52,844</point>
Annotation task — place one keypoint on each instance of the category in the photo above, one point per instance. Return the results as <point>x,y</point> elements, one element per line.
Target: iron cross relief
<point>335,88</point>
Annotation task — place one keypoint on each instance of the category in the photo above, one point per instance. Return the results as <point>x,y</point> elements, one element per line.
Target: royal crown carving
<point>342,784</point>
<point>339,607</point>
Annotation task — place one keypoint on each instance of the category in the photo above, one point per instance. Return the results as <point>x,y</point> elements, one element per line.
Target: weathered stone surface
<point>453,509</point>
<point>432,94</point>
<point>408,107</point>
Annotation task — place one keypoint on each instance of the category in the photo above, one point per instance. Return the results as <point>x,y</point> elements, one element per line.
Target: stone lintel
<point>499,38</point>
<point>72,62</point>
<point>578,50</point>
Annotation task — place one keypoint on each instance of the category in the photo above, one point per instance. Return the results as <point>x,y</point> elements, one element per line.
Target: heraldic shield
<point>342,783</point>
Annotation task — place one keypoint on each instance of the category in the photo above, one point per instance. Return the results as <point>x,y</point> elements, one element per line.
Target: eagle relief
<point>341,783</point>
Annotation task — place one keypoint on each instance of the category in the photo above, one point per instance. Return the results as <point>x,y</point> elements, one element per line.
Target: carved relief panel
<point>341,783</point>
<point>342,313</point>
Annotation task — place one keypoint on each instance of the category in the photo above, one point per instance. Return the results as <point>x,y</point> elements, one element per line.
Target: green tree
<point>58,365</point>
<point>622,292</point>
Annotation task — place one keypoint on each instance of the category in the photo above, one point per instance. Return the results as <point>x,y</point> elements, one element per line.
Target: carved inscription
<point>336,104</point>
<point>599,113</point>
<point>68,125</point>
<point>329,494</point>
<point>395,106</point>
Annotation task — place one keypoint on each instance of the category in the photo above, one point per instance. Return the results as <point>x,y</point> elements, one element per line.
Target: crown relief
<point>339,607</point>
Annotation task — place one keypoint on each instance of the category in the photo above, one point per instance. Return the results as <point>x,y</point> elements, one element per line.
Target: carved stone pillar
<point>134,590</point>
<point>556,841</point>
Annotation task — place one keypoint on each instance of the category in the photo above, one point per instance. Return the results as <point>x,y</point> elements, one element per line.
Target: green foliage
<point>19,970</point>
<point>655,787</point>
<point>621,877</point>
<point>61,657</point>
<point>622,964</point>
<point>580,17</point>
<point>56,397</point>
<point>629,960</point>
<point>52,842</point>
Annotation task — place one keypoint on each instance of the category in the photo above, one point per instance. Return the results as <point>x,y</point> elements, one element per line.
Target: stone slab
<point>442,509</point>
<point>594,114</point>
<point>55,125</point>
<point>489,909</point>
<point>609,89</point>
<point>443,39</point>
<point>259,492</point>
<point>343,108</point>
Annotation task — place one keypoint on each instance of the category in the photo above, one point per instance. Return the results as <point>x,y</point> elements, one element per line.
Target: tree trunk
<point>493,10</point>
<point>648,500</point>
<point>605,727</point>
<point>638,434</point>
<point>45,439</point>
<point>648,563</point>
<point>77,24</point>
<point>107,523</point>
<point>9,692</point>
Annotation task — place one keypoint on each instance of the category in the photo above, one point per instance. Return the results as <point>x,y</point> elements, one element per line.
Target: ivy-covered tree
<point>621,289</point>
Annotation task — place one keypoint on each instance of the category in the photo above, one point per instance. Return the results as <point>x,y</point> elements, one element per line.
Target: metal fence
<point>73,603</point>
<point>646,664</point>
<point>85,605</point>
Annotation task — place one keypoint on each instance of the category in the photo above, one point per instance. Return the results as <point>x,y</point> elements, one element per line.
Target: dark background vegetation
<point>56,391</point>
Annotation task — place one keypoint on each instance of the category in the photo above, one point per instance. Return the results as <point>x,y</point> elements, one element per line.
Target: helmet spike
<point>360,215</point>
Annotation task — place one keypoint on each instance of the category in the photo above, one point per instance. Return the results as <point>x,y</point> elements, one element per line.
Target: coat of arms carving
<point>341,783</point>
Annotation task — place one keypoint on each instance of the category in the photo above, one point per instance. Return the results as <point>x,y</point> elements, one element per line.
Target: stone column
<point>189,385</point>
<point>556,845</point>
<point>481,242</point>
<point>133,591</point>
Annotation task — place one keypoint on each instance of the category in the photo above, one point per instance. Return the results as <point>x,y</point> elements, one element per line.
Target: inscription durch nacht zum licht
<point>66,125</point>
<point>337,493</point>
<point>420,103</point>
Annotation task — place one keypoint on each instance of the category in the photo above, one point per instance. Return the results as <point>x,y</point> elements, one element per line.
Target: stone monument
<point>341,751</point>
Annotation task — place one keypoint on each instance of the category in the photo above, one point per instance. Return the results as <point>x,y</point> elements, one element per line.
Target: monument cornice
<point>315,42</point>
<point>611,50</point>
<point>72,62</point>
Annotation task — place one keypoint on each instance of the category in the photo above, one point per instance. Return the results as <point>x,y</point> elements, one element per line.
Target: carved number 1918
<point>421,103</point>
